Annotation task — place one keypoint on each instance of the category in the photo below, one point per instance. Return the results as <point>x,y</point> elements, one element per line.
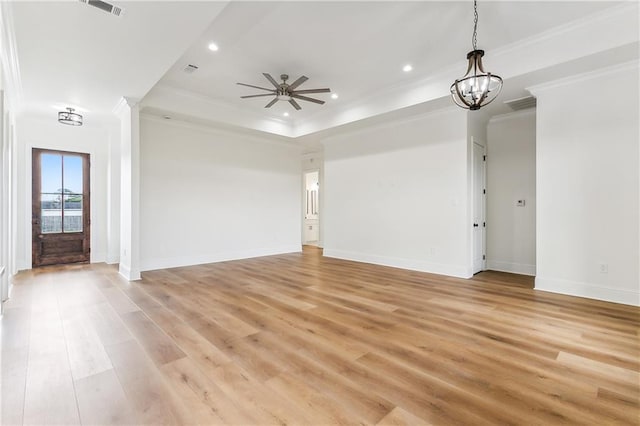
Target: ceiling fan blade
<point>256,96</point>
<point>268,76</point>
<point>255,87</point>
<point>270,104</point>
<point>295,104</point>
<point>304,98</point>
<point>298,82</point>
<point>312,91</point>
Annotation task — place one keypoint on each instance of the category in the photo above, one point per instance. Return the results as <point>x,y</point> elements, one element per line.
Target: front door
<point>60,207</point>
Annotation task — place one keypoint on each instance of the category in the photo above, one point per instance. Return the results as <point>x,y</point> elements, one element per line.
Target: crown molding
<point>212,128</point>
<point>387,100</point>
<point>9,56</point>
<point>628,8</point>
<point>513,114</point>
<point>590,75</point>
<point>208,100</point>
<point>124,102</point>
<point>202,107</point>
<point>385,120</point>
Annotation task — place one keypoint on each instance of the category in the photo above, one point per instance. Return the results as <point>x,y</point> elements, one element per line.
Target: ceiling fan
<point>286,92</point>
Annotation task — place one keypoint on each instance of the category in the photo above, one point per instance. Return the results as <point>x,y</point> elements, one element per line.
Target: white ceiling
<point>354,48</point>
<point>73,54</point>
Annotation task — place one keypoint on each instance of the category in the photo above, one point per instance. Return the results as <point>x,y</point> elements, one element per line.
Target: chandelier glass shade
<point>70,118</point>
<point>477,87</point>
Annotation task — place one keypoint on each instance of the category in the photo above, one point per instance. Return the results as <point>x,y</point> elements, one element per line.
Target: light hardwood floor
<point>302,339</point>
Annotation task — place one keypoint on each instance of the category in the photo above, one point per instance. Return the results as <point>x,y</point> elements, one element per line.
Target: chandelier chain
<point>474,39</point>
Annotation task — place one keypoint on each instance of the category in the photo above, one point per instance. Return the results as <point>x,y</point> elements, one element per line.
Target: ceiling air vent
<point>521,103</point>
<point>190,69</point>
<point>104,6</point>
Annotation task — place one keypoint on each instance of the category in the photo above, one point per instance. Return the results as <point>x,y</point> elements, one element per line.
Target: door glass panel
<point>60,203</point>
<point>51,213</point>
<point>72,174</point>
<point>73,213</point>
<point>51,173</point>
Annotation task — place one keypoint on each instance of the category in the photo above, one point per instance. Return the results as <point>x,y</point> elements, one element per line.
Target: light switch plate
<point>520,203</point>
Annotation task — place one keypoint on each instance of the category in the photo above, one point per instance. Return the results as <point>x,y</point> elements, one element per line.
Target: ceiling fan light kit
<point>69,117</point>
<point>477,87</point>
<point>286,92</point>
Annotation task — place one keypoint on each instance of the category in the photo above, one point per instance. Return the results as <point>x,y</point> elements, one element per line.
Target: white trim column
<point>129,112</point>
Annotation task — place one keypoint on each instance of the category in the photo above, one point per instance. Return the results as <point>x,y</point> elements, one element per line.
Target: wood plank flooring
<point>303,339</point>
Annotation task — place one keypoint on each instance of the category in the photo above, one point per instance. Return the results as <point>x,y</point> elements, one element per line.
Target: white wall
<point>9,93</point>
<point>41,132</point>
<point>209,195</point>
<point>588,185</point>
<point>7,190</point>
<point>511,176</point>
<point>113,201</point>
<point>396,194</point>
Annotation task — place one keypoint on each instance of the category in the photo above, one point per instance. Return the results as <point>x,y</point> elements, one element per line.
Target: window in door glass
<point>61,193</point>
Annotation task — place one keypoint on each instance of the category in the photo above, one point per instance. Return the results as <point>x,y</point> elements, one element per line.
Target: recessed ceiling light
<point>213,47</point>
<point>286,114</point>
<point>334,96</point>
<point>407,68</point>
<point>166,117</point>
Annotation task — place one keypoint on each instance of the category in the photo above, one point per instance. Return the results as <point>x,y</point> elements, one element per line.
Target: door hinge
<point>484,191</point>
<point>484,158</point>
<point>484,257</point>
<point>484,224</point>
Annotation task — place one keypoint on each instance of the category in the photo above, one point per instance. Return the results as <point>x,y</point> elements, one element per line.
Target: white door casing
<point>479,206</point>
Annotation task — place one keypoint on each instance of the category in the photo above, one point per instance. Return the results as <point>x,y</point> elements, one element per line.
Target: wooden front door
<point>60,207</point>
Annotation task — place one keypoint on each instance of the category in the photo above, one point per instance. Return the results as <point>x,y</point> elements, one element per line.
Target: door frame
<point>482,214</point>
<point>36,179</point>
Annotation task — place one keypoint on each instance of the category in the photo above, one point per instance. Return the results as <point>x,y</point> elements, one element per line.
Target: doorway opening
<point>311,223</point>
<point>60,218</point>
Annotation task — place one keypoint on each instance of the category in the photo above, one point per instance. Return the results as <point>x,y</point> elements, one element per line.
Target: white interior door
<point>479,194</point>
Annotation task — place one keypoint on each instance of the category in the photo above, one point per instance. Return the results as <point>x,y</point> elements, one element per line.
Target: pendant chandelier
<point>69,117</point>
<point>476,88</point>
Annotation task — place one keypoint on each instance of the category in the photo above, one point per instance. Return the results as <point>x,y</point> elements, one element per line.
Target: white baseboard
<point>514,268</point>
<point>590,291</point>
<point>174,262</point>
<point>396,262</point>
<point>23,265</point>
<point>128,273</point>
<point>98,257</point>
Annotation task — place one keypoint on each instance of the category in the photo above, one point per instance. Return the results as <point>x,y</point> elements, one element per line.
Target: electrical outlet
<point>604,268</point>
<point>520,203</point>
